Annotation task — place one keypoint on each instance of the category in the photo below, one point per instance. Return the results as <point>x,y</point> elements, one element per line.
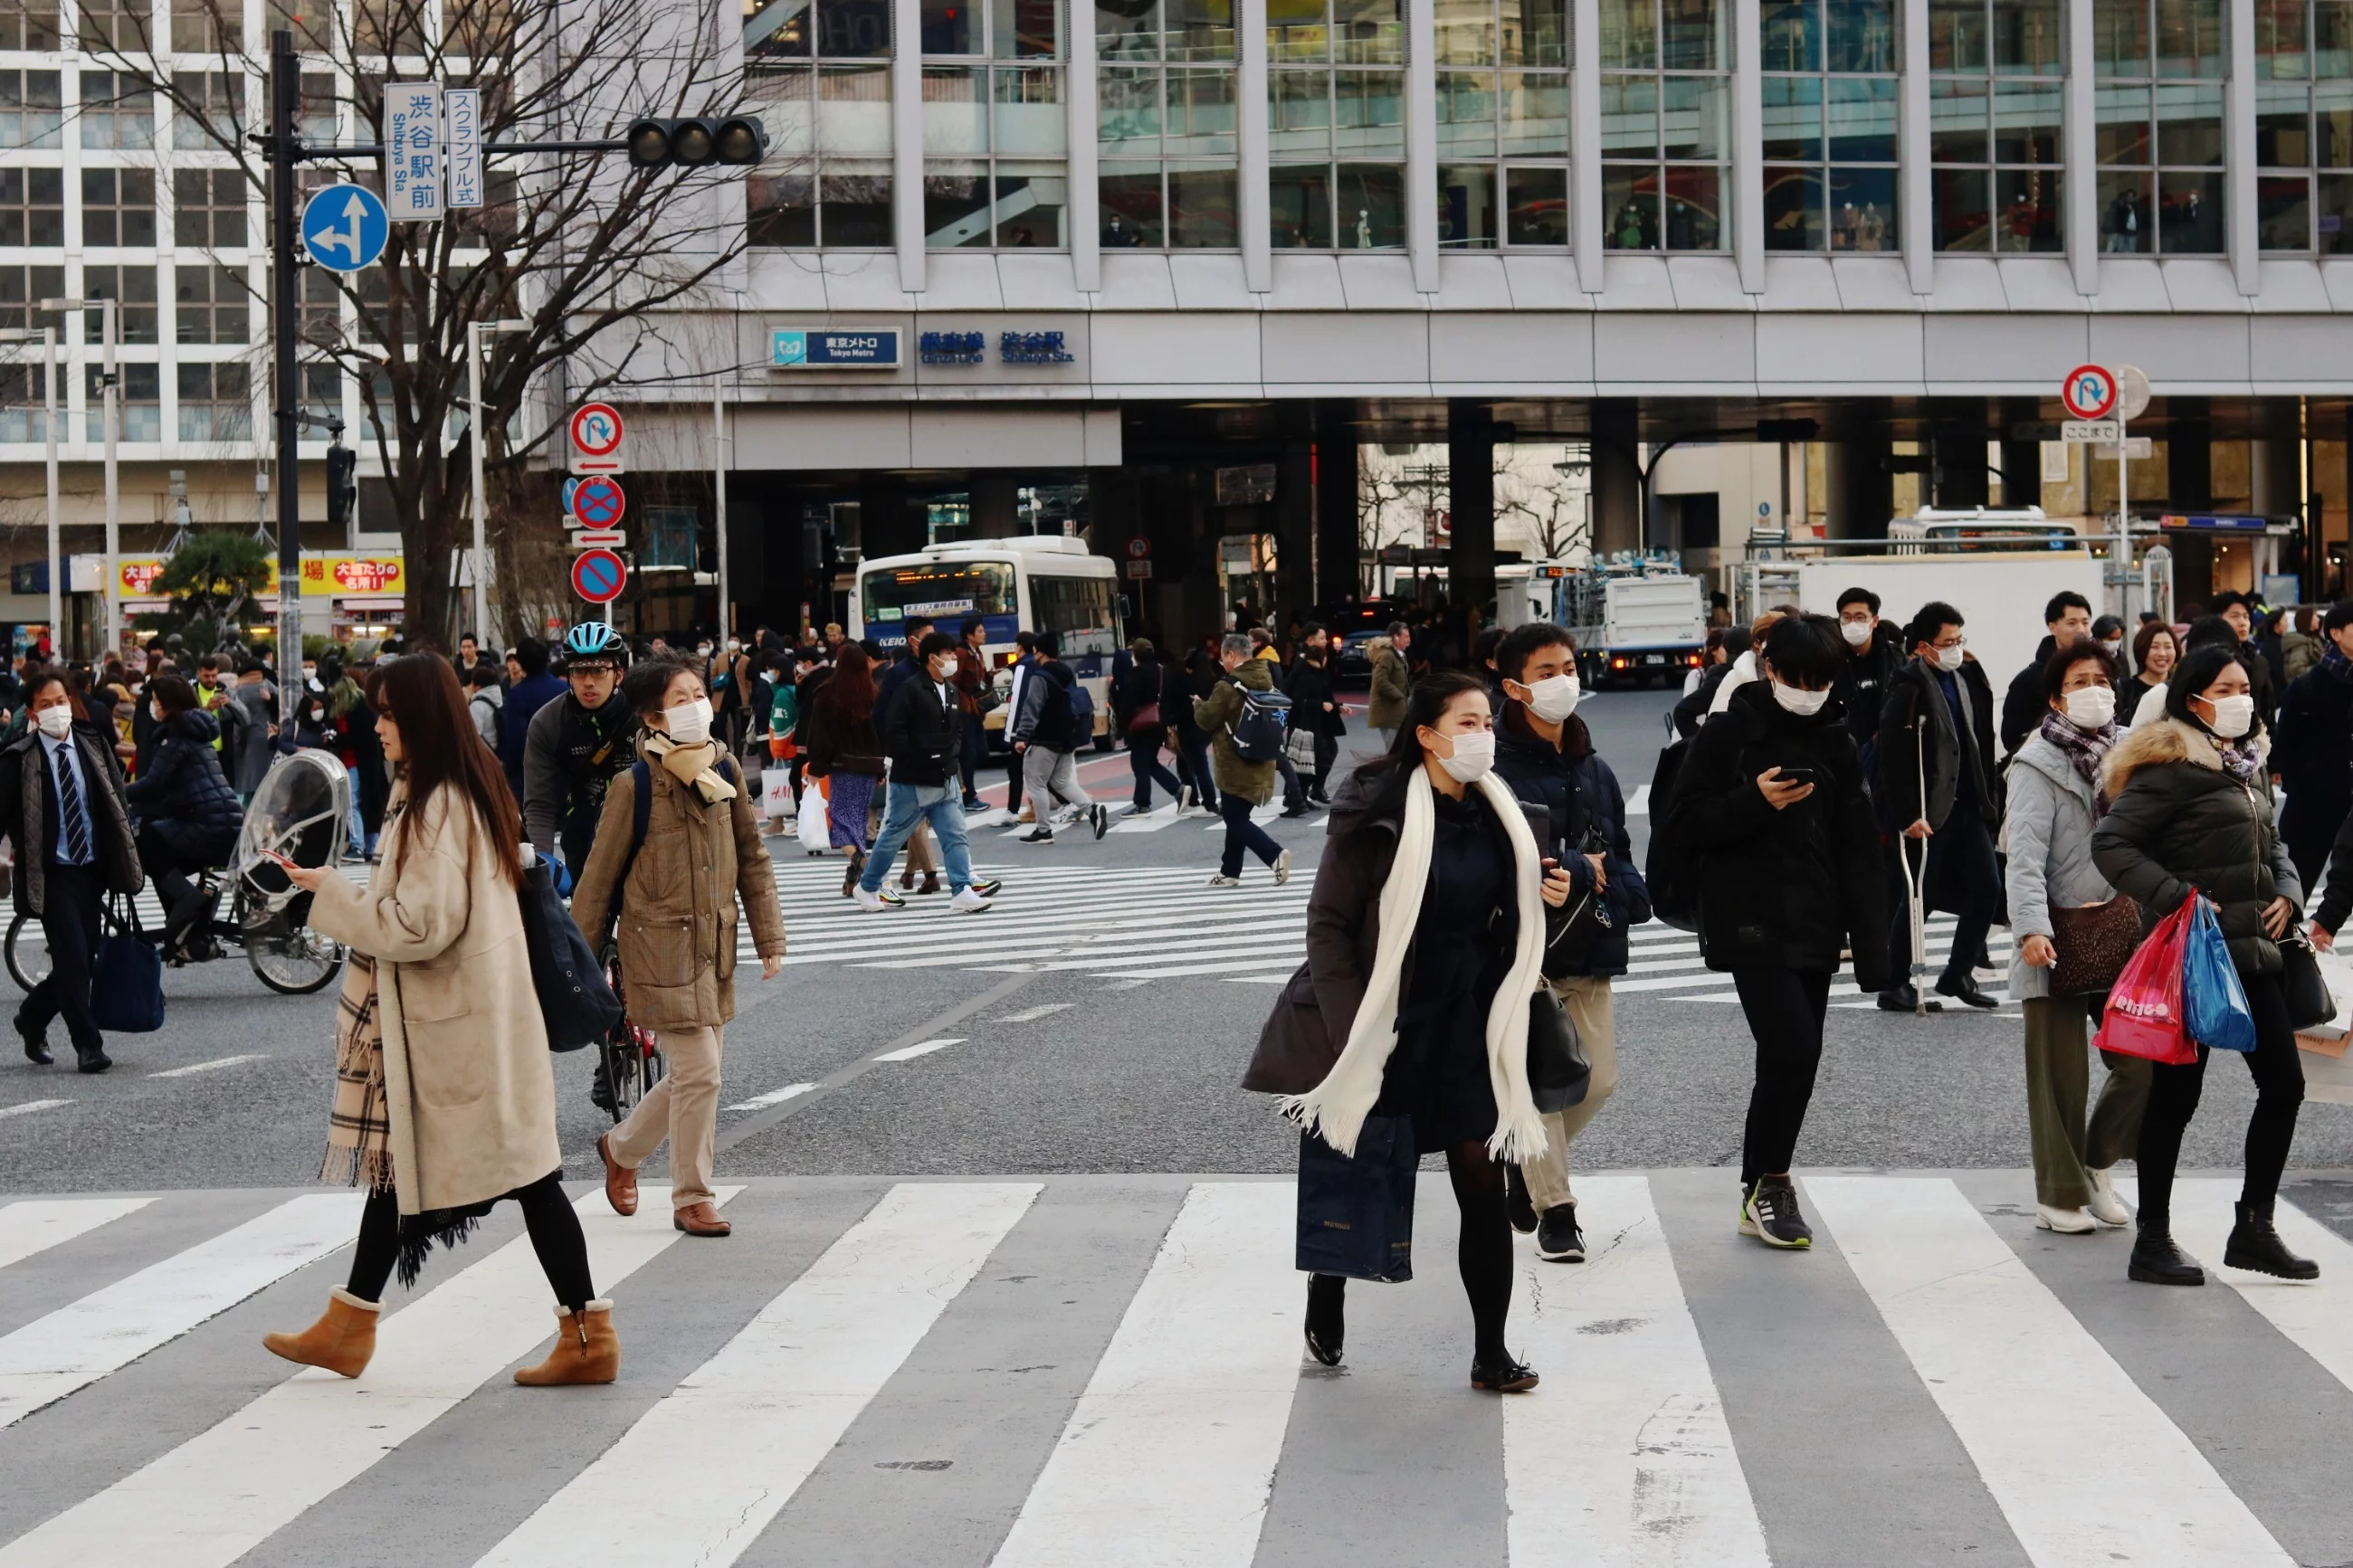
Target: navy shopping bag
<point>2213,1003</point>
<point>126,988</point>
<point>1356,1211</point>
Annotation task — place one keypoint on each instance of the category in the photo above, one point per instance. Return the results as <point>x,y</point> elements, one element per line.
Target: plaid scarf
<point>2333,660</point>
<point>359,1129</point>
<point>2085,749</point>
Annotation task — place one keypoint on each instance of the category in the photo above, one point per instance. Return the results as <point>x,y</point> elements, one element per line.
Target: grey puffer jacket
<point>2049,829</point>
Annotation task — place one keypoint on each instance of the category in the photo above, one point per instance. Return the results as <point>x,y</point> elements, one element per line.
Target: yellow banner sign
<point>329,575</point>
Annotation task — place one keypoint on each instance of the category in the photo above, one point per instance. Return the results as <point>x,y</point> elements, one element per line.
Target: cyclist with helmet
<point>575,745</point>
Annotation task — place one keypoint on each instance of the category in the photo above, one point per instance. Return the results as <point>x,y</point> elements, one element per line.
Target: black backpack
<point>1257,731</point>
<point>1670,870</point>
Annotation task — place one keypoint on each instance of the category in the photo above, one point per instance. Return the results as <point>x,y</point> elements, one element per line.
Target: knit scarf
<point>1335,1109</point>
<point>2241,758</point>
<point>697,764</point>
<point>2333,660</point>
<point>2085,749</point>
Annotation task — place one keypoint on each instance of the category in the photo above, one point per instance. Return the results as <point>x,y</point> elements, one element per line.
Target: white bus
<point>1034,582</point>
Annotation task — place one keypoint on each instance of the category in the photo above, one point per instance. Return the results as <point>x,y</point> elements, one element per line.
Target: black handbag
<point>126,989</point>
<point>1356,1211</point>
<point>580,1009</point>
<point>2309,1005</point>
<point>1558,1070</point>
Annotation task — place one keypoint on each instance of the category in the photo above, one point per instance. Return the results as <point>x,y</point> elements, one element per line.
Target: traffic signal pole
<point>286,278</point>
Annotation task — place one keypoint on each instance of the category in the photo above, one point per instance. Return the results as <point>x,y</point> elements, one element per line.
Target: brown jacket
<point>1392,682</point>
<point>466,1071</point>
<point>678,909</point>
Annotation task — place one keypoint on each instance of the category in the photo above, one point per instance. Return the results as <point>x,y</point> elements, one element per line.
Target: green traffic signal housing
<point>342,484</point>
<point>697,142</point>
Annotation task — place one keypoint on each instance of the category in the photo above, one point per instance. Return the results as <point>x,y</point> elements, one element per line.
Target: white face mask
<point>1473,758</point>
<point>690,725</point>
<point>1857,632</point>
<point>1555,697</point>
<point>2233,716</point>
<point>155,711</point>
<point>1799,700</point>
<point>54,721</point>
<point>1948,659</point>
<point>2112,649</point>
<point>948,667</point>
<point>2091,706</point>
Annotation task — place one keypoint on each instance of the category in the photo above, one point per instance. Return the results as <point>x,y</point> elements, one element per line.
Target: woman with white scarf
<point>1425,937</point>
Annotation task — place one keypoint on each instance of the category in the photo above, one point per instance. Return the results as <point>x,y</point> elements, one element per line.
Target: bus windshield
<point>1077,610</point>
<point>941,589</point>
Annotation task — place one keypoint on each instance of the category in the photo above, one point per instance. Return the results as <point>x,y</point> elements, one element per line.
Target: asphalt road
<point>1055,1069</point>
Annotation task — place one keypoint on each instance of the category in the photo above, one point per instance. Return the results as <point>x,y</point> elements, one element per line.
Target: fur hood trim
<point>2165,740</point>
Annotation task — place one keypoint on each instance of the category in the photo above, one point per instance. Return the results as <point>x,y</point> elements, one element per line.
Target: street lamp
<point>48,338</point>
<point>111,333</point>
<point>474,330</point>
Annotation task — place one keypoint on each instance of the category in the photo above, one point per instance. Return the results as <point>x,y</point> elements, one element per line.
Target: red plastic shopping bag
<point>2144,1016</point>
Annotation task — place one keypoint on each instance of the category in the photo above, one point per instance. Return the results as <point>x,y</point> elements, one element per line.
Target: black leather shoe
<point>1506,1376</point>
<point>2256,1244</point>
<point>2155,1260</point>
<point>1903,999</point>
<point>36,1045</point>
<point>1326,1322</point>
<point>1965,991</point>
<point>94,1059</point>
<point>1522,1207</point>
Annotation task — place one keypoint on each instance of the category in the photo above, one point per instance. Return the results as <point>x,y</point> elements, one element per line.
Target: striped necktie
<point>75,820</point>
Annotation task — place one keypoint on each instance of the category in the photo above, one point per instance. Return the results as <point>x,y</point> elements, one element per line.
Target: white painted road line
<point>27,1107</point>
<point>711,1463</point>
<point>1031,1015</point>
<point>774,1097</point>
<point>37,1225</point>
<point>2311,1314</point>
<point>920,1049</point>
<point>214,1066</point>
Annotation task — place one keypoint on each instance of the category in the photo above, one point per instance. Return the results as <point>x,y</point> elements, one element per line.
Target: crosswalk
<point>1106,1371</point>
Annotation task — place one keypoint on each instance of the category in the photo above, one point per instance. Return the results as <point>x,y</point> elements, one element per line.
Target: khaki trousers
<point>1587,998</point>
<point>684,1109</point>
<point>2058,1076</point>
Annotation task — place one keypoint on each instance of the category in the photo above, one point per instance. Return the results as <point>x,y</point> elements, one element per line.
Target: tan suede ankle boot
<point>341,1342</point>
<point>586,1350</point>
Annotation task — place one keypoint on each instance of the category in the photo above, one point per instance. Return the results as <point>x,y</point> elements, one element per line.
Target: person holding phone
<point>1771,801</point>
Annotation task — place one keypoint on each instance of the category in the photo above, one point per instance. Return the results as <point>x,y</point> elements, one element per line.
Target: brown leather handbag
<point>2094,942</point>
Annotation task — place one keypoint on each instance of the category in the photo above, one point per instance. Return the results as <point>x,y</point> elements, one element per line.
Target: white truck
<point>1630,627</point>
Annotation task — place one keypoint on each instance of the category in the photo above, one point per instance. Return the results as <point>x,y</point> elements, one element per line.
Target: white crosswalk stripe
<point>1180,1429</point>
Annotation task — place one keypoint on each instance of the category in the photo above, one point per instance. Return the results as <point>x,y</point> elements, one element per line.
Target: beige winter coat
<point>466,1070</point>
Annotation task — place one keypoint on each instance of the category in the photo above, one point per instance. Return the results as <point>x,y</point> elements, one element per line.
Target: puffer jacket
<point>1582,802</point>
<point>1392,681</point>
<point>2052,813</point>
<point>2180,822</point>
<point>183,795</point>
<point>1215,714</point>
<point>1792,889</point>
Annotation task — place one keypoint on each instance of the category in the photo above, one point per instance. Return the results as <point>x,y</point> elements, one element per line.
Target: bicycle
<point>290,959</point>
<point>629,1061</point>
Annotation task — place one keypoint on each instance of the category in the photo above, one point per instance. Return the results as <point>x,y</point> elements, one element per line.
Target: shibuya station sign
<point>835,348</point>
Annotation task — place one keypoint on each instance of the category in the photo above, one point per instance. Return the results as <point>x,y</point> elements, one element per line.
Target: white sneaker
<point>1282,868</point>
<point>2066,1222</point>
<point>2106,1206</point>
<point>969,902</point>
<point>885,899</point>
<point>1219,879</point>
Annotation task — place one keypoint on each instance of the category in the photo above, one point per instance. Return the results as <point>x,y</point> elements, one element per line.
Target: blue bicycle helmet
<point>594,639</point>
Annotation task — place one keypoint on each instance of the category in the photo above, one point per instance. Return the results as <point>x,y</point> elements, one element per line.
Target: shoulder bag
<point>2094,941</point>
<point>2309,1005</point>
<point>1559,1069</point>
<point>579,1007</point>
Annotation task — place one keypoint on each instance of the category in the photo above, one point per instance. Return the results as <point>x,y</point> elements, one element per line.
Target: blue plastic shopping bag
<point>2213,1002</point>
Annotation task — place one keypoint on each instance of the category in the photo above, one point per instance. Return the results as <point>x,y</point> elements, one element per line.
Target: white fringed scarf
<point>1336,1108</point>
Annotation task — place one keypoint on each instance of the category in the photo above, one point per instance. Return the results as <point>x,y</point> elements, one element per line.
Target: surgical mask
<point>2091,706</point>
<point>1857,632</point>
<point>155,711</point>
<point>1473,758</point>
<point>54,721</point>
<point>1948,659</point>
<point>1554,697</point>
<point>2113,650</point>
<point>703,651</point>
<point>2233,716</point>
<point>948,667</point>
<point>690,725</point>
<point>1799,700</point>
<point>733,646</point>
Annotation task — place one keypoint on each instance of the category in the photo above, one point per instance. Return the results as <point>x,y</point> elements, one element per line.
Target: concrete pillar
<point>1617,476</point>
<point>882,516</point>
<point>2021,461</point>
<point>2189,452</point>
<point>1959,441</point>
<point>1294,532</point>
<point>1861,498</point>
<point>2276,463</point>
<point>1471,498</point>
<point>996,511</point>
<point>1338,575</point>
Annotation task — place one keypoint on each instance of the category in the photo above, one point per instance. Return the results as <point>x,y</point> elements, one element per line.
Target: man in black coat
<point>923,739</point>
<point>2312,749</point>
<point>1874,653</point>
<point>2238,611</point>
<point>1316,705</point>
<point>1938,787</point>
<point>2067,619</point>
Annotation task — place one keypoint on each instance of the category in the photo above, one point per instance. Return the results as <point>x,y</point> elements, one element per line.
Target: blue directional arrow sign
<point>344,227</point>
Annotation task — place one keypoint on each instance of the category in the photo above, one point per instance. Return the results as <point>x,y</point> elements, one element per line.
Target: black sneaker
<point>1524,1207</point>
<point>1770,1214</point>
<point>1041,833</point>
<point>1101,817</point>
<point>1558,1239</point>
<point>1505,1376</point>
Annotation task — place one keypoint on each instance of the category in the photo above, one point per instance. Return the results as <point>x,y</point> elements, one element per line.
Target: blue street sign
<point>569,486</point>
<point>858,349</point>
<point>344,227</point>
<point>597,503</point>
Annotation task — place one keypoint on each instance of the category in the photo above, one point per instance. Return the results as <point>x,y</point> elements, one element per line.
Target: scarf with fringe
<point>1335,1109</point>
<point>697,765</point>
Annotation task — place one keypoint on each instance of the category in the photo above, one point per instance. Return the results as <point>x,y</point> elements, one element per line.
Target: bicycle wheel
<point>27,950</point>
<point>293,961</point>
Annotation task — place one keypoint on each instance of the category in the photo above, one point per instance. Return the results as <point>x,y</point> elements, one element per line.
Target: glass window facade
<point>1503,123</point>
<point>1997,95</point>
<point>139,402</point>
<point>2303,126</point>
<point>1830,98</point>
<point>135,288</point>
<point>208,208</point>
<point>819,72</point>
<point>117,207</point>
<point>118,109</point>
<point>995,139</point>
<point>1666,124</point>
<point>32,207</point>
<point>1165,127</point>
<point>2159,67</point>
<point>211,304</point>
<point>1335,122</point>
<point>215,402</point>
<point>31,111</point>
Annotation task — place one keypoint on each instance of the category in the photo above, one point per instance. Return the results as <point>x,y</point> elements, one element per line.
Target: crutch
<point>1916,889</point>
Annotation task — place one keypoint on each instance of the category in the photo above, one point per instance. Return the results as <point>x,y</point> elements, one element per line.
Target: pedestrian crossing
<point>1106,1371</point>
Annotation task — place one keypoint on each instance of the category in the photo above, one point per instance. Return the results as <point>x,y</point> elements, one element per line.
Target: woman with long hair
<point>846,751</point>
<point>1425,938</point>
<point>444,1100</point>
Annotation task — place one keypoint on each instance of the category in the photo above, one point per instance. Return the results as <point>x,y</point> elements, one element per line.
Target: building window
<point>118,109</point>
<point>1164,124</point>
<point>320,109</point>
<point>21,290</point>
<point>23,395</point>
<point>1830,124</point>
<point>32,207</point>
<point>135,288</point>
<point>1995,101</point>
<point>1502,123</point>
<point>208,208</point>
<point>215,402</point>
<point>209,111</point>
<point>32,113</point>
<point>811,73</point>
<point>995,136</point>
<point>207,26</point>
<point>117,207</point>
<point>2303,126</point>
<point>2160,65</point>
<point>212,304</point>
<point>1335,114</point>
<point>29,25</point>
<point>139,402</point>
<point>116,27</point>
<point>1666,124</point>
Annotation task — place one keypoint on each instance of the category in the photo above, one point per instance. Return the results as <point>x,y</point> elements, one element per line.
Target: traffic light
<point>343,485</point>
<point>697,143</point>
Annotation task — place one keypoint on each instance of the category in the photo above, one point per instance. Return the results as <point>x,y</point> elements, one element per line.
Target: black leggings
<point>1784,1011</point>
<point>547,1214</point>
<point>2173,1099</point>
<point>1483,1252</point>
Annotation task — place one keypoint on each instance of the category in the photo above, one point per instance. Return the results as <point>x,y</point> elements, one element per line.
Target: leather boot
<point>620,1181</point>
<point>2256,1244</point>
<point>931,883</point>
<point>2155,1260</point>
<point>586,1350</point>
<point>341,1342</point>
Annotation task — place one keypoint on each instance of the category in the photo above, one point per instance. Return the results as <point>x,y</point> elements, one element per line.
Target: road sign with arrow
<point>344,227</point>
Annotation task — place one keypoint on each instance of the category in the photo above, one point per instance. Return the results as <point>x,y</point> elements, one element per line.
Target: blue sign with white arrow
<point>344,227</point>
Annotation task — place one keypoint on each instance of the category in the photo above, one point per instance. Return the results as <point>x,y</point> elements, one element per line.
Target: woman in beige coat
<point>677,894</point>
<point>444,1102</point>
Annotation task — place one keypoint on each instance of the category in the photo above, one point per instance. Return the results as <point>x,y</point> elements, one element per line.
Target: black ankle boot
<point>2256,1244</point>
<point>2155,1260</point>
<point>1326,1322</point>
